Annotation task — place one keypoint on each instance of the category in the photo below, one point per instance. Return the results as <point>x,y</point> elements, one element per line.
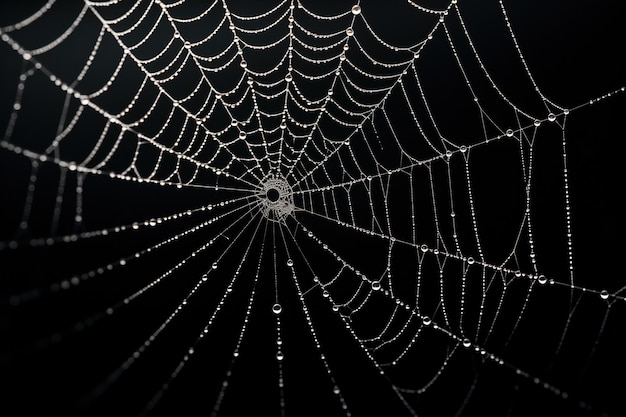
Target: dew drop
<point>280,356</point>
<point>426,320</point>
<point>467,343</point>
<point>289,262</point>
<point>604,294</point>
<point>552,117</point>
<point>356,9</point>
<point>277,308</point>
<point>509,132</point>
<point>542,279</point>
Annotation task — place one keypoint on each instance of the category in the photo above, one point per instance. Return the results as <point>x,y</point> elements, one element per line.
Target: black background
<point>49,366</point>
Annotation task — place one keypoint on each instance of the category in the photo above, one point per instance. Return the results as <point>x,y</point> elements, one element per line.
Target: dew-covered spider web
<point>307,208</point>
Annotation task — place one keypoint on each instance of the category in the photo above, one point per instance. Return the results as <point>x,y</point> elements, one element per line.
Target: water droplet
<point>280,356</point>
<point>288,77</point>
<point>542,279</point>
<point>242,135</point>
<point>336,390</point>
<point>277,308</point>
<point>349,31</point>
<point>214,266</point>
<point>356,9</point>
<point>470,260</point>
<point>243,64</point>
<point>604,294</point>
<point>509,132</point>
<point>376,285</point>
<point>426,320</point>
<point>289,262</point>
<point>467,343</point>
<point>552,117</point>
<point>424,248</point>
<point>463,148</point>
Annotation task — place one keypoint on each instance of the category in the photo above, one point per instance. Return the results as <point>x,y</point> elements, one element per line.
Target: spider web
<point>341,209</point>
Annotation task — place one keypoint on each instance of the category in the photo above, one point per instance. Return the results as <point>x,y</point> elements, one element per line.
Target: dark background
<point>58,346</point>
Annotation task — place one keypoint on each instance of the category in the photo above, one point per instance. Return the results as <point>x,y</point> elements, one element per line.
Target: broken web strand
<point>207,328</point>
<point>99,390</point>
<point>92,320</point>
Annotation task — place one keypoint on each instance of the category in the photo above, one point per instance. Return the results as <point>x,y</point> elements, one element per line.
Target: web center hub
<point>276,199</point>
